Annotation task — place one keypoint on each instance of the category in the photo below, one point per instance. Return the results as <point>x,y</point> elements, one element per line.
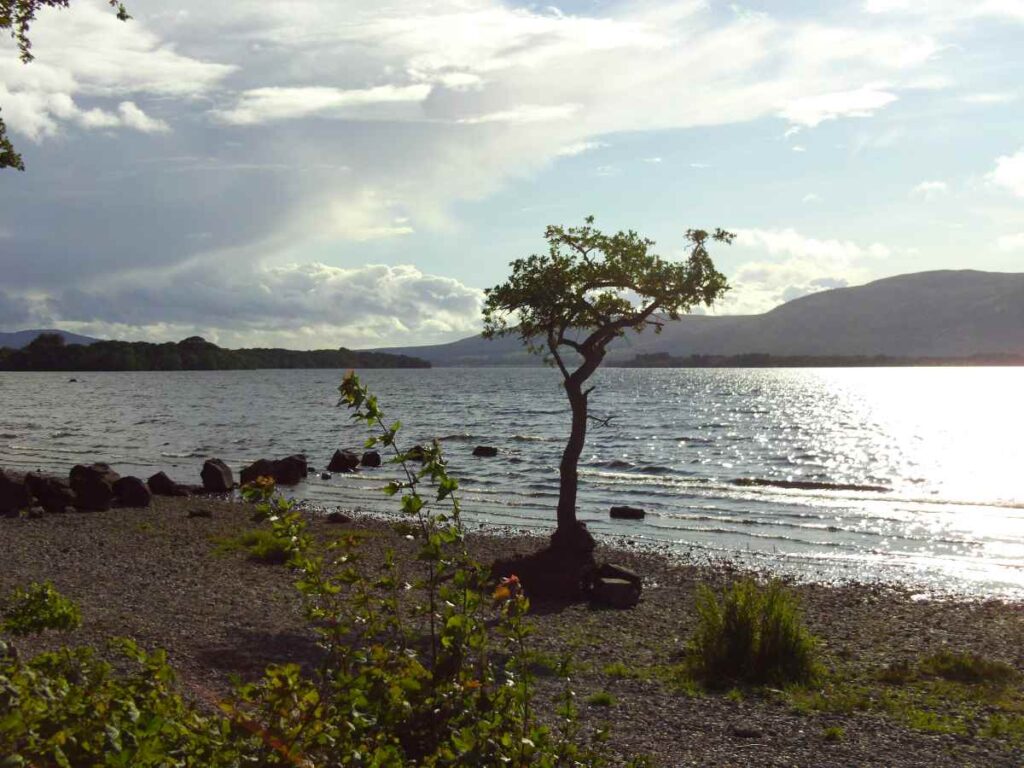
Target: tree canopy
<point>17,16</point>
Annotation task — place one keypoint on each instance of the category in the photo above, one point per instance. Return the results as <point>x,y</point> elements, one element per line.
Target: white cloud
<point>1011,242</point>
<point>992,97</point>
<point>1009,173</point>
<point>930,190</point>
<point>798,148</point>
<point>525,113</point>
<point>262,105</point>
<point>810,197</point>
<point>579,147</point>
<point>302,306</point>
<point>813,110</point>
<point>653,160</point>
<point>86,54</point>
<point>950,10</point>
<point>785,264</point>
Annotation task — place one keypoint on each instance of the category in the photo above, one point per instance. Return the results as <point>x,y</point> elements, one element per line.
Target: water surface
<point>945,444</point>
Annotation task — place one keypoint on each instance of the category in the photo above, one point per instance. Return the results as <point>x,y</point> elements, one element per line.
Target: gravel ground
<point>155,575</point>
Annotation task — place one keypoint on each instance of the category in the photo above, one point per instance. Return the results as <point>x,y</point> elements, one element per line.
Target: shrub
<point>968,668</point>
<point>37,608</point>
<point>752,634</point>
<point>833,734</point>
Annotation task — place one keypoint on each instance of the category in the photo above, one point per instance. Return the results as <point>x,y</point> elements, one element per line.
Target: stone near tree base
<point>161,485</point>
<point>93,486</point>
<point>217,476</point>
<point>338,518</point>
<point>612,571</point>
<point>343,461</point>
<point>370,459</point>
<point>132,492</point>
<point>14,494</point>
<point>52,493</point>
<point>615,593</point>
<point>485,451</point>
<point>626,513</point>
<point>290,470</point>
<point>325,475</point>
<point>259,468</point>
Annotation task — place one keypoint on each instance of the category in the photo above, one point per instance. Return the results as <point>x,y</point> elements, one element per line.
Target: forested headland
<point>49,352</point>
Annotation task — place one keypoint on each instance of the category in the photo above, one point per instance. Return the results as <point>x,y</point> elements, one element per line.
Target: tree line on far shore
<point>49,352</point>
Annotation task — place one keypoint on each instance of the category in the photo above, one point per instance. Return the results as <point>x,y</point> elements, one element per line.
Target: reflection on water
<point>946,443</point>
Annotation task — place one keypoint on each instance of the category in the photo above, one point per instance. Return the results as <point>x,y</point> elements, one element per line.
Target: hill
<point>20,339</point>
<point>954,314</point>
<point>49,352</point>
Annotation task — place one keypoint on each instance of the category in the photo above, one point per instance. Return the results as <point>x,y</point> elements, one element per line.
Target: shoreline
<point>156,574</point>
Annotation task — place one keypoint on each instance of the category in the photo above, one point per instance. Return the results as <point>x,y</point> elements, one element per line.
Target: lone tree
<point>587,290</point>
<point>16,16</point>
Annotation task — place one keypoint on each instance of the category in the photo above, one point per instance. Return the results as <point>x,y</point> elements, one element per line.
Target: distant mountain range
<point>922,315</point>
<point>21,339</point>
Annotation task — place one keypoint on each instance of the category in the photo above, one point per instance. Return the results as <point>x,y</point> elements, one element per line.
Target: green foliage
<point>753,634</point>
<point>37,608</point>
<point>262,546</point>
<point>968,668</point>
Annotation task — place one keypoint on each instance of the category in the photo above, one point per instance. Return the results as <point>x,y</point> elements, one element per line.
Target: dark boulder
<point>290,470</point>
<point>93,486</point>
<point>615,593</point>
<point>627,513</point>
<point>132,492</point>
<point>612,571</point>
<point>371,459</point>
<point>161,485</point>
<point>416,453</point>
<point>485,451</point>
<point>217,476</point>
<point>325,475</point>
<point>53,494</point>
<point>343,461</point>
<point>259,468</point>
<point>338,518</point>
<point>14,494</point>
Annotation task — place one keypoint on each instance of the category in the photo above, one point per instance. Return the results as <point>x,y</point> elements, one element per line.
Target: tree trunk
<point>567,470</point>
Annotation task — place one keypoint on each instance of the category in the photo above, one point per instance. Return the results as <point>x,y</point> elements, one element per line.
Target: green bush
<point>37,608</point>
<point>601,699</point>
<point>753,634</point>
<point>968,668</point>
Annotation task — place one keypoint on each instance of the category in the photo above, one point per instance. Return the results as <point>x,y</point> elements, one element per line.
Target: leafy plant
<point>752,634</point>
<point>37,608</point>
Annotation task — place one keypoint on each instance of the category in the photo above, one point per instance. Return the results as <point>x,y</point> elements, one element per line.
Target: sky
<point>324,173</point>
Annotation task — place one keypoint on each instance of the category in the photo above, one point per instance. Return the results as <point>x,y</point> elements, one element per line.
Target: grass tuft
<point>753,634</point>
<point>601,699</point>
<point>968,668</point>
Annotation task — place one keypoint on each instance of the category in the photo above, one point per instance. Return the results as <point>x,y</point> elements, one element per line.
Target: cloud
<point>785,264</point>
<point>525,113</point>
<point>814,110</point>
<point>930,190</point>
<point>302,306</point>
<point>991,97</point>
<point>1013,242</point>
<point>87,55</point>
<point>579,147</point>
<point>262,105</point>
<point>950,10</point>
<point>1009,173</point>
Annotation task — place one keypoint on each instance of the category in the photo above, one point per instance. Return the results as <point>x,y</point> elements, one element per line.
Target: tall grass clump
<point>752,634</point>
